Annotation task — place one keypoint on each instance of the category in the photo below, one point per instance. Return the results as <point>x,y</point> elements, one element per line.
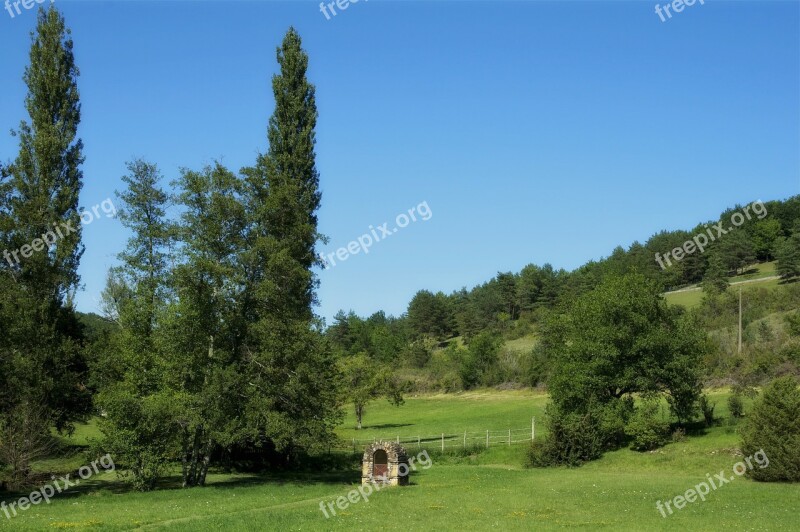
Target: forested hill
<point>509,309</point>
<point>767,231</point>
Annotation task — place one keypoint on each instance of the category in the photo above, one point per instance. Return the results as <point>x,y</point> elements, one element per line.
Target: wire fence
<point>444,441</point>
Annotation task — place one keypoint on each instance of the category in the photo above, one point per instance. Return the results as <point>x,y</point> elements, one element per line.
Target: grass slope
<point>757,276</point>
<point>471,492</point>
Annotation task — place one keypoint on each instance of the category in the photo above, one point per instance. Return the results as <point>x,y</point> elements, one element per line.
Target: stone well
<point>382,464</point>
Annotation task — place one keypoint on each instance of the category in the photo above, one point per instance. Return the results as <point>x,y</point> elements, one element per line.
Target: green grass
<point>524,344</point>
<point>685,299</point>
<point>471,492</point>
<point>447,413</point>
<point>691,299</point>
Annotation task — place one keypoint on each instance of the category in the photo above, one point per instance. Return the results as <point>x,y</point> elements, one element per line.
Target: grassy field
<point>691,296</point>
<point>491,489</point>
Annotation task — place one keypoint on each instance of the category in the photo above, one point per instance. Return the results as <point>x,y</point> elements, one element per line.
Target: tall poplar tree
<point>292,377</point>
<point>41,352</point>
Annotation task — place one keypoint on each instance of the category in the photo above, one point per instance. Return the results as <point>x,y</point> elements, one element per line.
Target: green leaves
<point>788,255</point>
<point>41,351</point>
<point>773,427</point>
<point>619,340</point>
<point>364,380</point>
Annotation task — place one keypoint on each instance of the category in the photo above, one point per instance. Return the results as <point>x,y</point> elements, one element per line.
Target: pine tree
<point>292,377</point>
<point>788,255</point>
<point>715,280</point>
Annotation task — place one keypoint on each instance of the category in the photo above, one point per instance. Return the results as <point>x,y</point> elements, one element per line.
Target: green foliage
<point>788,255</point>
<point>736,250</point>
<point>572,438</point>
<point>773,427</point>
<point>364,380</point>
<point>418,354</point>
<point>646,428</point>
<point>618,340</point>
<point>140,425</point>
<point>707,409</point>
<point>765,235</point>
<point>141,433</point>
<point>479,358</point>
<point>736,406</point>
<point>715,280</point>
<point>381,337</point>
<point>793,323</point>
<point>288,370</point>
<point>41,352</point>
<point>535,366</point>
<point>622,339</point>
<point>430,315</point>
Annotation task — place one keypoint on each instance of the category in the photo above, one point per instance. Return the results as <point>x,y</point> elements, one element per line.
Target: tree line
<point>453,341</point>
<point>211,347</point>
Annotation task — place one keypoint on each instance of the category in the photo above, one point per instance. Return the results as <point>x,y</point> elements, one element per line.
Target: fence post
<point>442,441</point>
<point>487,439</point>
<point>398,439</point>
<point>509,436</point>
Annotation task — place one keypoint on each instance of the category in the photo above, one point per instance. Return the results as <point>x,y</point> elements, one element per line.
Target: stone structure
<point>385,463</point>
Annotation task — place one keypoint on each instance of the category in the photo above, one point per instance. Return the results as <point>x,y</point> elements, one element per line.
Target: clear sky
<point>535,131</point>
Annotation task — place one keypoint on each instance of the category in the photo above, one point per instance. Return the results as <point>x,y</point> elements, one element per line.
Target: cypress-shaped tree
<point>291,374</point>
<point>41,353</point>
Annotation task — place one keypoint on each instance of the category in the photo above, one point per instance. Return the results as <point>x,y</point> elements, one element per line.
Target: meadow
<point>461,490</point>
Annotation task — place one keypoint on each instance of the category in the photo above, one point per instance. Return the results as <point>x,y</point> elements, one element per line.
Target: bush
<point>773,427</point>
<point>707,408</point>
<point>646,429</point>
<point>793,323</point>
<point>540,454</point>
<point>572,439</point>
<point>679,435</point>
<point>479,359</point>
<point>736,405</point>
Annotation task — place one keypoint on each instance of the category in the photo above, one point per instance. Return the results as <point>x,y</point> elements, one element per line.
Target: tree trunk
<point>201,481</point>
<point>185,459</point>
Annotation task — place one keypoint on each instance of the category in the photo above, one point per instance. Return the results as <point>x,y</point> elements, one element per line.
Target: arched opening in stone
<point>380,464</point>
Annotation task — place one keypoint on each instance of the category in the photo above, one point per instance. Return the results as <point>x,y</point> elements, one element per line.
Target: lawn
<point>469,492</point>
<point>693,295</point>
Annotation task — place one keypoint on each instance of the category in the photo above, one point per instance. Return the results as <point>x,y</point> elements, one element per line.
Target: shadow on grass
<point>694,428</point>
<point>388,426</point>
<point>173,482</point>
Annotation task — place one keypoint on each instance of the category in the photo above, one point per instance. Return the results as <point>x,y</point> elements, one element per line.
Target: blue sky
<point>535,131</point>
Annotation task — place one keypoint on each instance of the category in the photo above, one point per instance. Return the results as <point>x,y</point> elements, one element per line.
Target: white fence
<point>444,441</point>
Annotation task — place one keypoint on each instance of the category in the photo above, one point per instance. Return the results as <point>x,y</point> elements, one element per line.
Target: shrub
<point>540,454</point>
<point>679,435</point>
<point>573,438</point>
<point>793,323</point>
<point>646,429</point>
<point>707,408</point>
<point>479,358</point>
<point>773,427</point>
<point>736,405</point>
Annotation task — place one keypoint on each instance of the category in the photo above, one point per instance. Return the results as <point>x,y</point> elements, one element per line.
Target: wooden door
<point>380,464</point>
